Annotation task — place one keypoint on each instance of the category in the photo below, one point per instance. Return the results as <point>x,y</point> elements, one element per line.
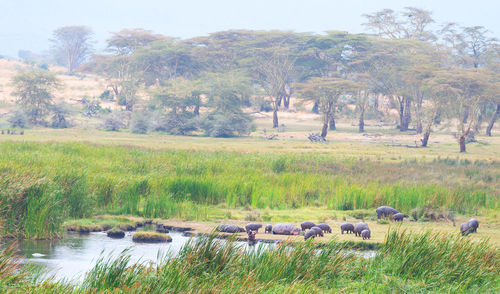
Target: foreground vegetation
<point>43,184</point>
<point>405,262</point>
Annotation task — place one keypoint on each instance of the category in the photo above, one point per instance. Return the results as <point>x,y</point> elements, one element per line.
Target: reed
<point>42,184</point>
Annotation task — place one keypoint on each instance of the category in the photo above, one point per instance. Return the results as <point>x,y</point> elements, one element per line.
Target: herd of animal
<point>312,230</point>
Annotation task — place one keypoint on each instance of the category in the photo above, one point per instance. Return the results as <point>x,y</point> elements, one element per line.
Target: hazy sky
<point>28,24</point>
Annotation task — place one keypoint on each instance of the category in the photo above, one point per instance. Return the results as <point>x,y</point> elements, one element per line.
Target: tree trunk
<point>286,101</point>
<point>196,110</point>
<point>437,118</point>
<point>275,118</point>
<point>362,121</point>
<point>324,130</point>
<point>406,115</point>
<point>401,113</point>
<point>332,123</point>
<point>462,143</point>
<point>492,121</point>
<point>466,116</point>
<point>425,139</point>
<point>418,114</point>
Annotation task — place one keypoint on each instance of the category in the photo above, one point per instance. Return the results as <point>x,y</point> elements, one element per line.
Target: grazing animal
<point>285,229</point>
<point>398,217</point>
<point>161,229</point>
<point>385,211</point>
<point>347,227</point>
<point>473,225</point>
<point>221,228</point>
<point>465,229</point>
<point>253,227</point>
<point>269,229</point>
<point>365,234</point>
<point>251,237</point>
<point>230,229</point>
<point>309,234</point>
<point>359,227</point>
<point>326,228</point>
<point>307,225</point>
<point>318,230</point>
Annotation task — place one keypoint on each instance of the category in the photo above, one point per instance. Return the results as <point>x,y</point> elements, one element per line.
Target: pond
<point>71,257</point>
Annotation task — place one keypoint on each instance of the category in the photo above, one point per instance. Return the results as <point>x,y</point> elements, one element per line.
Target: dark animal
<point>473,225</point>
<point>230,229</point>
<point>269,229</point>
<point>398,217</point>
<point>326,228</point>
<point>285,229</point>
<point>465,229</point>
<point>253,227</point>
<point>365,234</point>
<point>318,230</point>
<point>385,211</point>
<point>309,234</point>
<point>161,229</point>
<point>251,237</point>
<point>221,228</point>
<point>359,227</point>
<point>307,225</point>
<point>347,227</point>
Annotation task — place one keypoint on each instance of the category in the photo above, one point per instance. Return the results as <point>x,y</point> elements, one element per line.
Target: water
<point>73,256</point>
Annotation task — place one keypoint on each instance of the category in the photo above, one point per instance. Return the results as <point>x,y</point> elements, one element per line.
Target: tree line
<point>427,74</point>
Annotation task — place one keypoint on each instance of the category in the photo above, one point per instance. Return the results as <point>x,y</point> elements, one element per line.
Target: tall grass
<point>43,183</point>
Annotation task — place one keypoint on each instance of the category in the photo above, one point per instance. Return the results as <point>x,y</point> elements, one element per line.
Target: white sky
<point>28,24</point>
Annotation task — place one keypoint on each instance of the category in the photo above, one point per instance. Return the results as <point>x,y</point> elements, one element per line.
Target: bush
<point>18,119</point>
<point>59,120</point>
<point>106,95</point>
<point>226,124</point>
<point>139,123</point>
<point>279,165</point>
<point>113,123</point>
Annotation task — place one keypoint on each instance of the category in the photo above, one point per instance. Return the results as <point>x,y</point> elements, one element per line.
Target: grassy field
<point>81,173</point>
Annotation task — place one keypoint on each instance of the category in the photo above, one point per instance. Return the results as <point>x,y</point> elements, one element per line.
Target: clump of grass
<point>151,237</point>
<point>115,233</point>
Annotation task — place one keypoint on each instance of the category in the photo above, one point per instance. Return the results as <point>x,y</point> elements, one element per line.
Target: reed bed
<point>43,184</point>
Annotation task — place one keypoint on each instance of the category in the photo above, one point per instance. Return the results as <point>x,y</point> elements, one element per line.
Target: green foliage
<point>113,122</point>
<point>34,90</point>
<point>18,119</point>
<point>139,123</point>
<point>226,124</point>
<point>43,183</point>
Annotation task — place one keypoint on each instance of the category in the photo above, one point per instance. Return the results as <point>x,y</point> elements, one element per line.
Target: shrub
<point>139,123</point>
<point>226,124</point>
<point>279,165</point>
<point>59,118</point>
<point>18,119</point>
<point>113,123</point>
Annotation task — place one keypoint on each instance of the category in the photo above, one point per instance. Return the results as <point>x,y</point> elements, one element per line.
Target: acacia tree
<point>467,88</point>
<point>34,91</point>
<point>73,45</point>
<point>122,70</point>
<point>274,67</point>
<point>326,91</point>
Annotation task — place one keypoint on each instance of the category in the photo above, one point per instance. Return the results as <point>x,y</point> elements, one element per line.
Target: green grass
<point>406,262</point>
<point>43,184</point>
